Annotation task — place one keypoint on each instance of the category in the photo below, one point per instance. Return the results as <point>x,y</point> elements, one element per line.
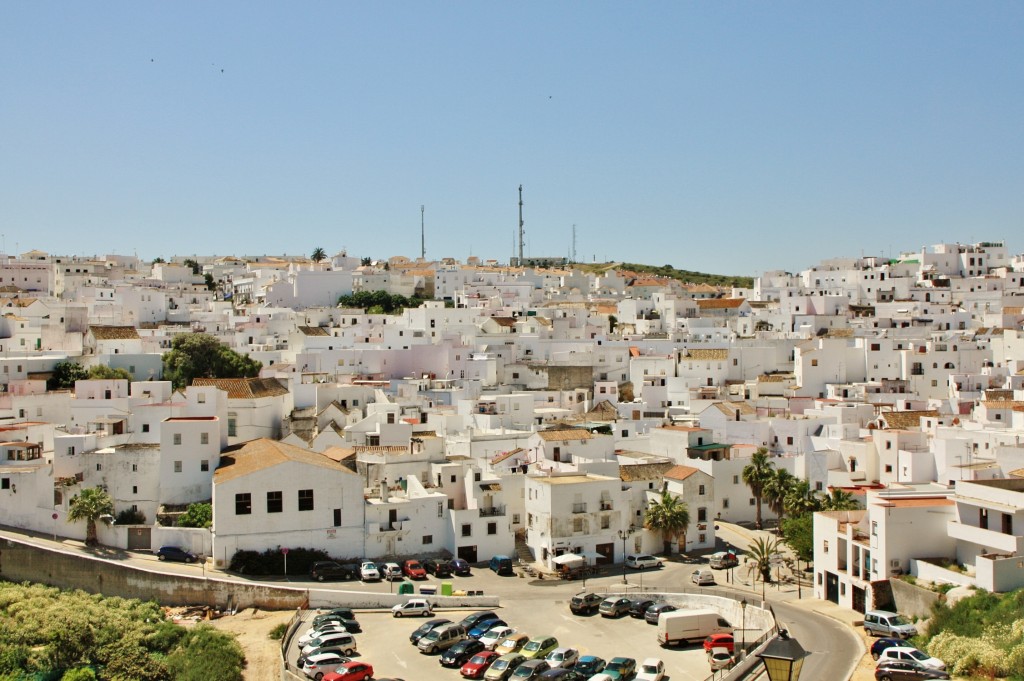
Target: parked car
<point>651,616</point>
<point>703,577</point>
<point>425,628</point>
<point>414,607</point>
<point>885,623</point>
<point>438,568</point>
<point>413,570</point>
<point>539,646</point>
<point>317,666</point>
<point>322,570</point>
<point>495,635</point>
<point>459,567</point>
<point>369,572</point>
<point>317,632</point>
<point>176,553</point>
<point>343,616</point>
<point>512,644</point>
<point>441,638</point>
<point>723,560</point>
<point>391,572</point>
<point>906,670</point>
<point>651,669</point>
<point>642,561</point>
<point>562,657</point>
<point>478,664</point>
<point>638,607</point>
<point>483,626</point>
<point>351,671</point>
<point>720,658</point>
<point>881,644</point>
<point>620,668</point>
<point>589,665</point>
<point>530,669</point>
<point>461,652</point>
<point>908,653</point>
<point>341,643</point>
<point>475,618</point>
<point>585,603</point>
<point>502,668</point>
<point>614,606</point>
<point>563,674</point>
<point>719,641</point>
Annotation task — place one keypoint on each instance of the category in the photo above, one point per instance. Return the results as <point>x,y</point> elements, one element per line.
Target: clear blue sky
<point>729,137</point>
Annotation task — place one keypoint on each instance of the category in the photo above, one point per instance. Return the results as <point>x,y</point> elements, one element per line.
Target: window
<point>145,427</point>
<point>515,519</point>
<point>204,438</point>
<point>874,528</point>
<point>702,538</point>
<point>135,468</point>
<point>735,479</point>
<point>427,539</point>
<point>177,438</point>
<point>789,440</point>
<point>135,489</point>
<point>305,500</point>
<point>440,509</point>
<point>337,517</point>
<point>492,528</point>
<point>71,451</point>
<point>751,501</point>
<point>232,425</point>
<point>5,483</point>
<point>177,466</point>
<point>606,522</point>
<point>825,547</point>
<point>467,530</point>
<point>243,504</point>
<point>577,524</point>
<point>702,515</point>
<point>817,486</point>
<point>700,490</point>
<point>204,465</point>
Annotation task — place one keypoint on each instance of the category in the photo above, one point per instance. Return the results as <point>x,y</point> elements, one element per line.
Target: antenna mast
<point>520,225</point>
<point>574,242</point>
<point>423,235</point>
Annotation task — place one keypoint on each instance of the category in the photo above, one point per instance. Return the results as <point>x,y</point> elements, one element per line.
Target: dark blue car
<point>881,644</point>
<point>482,626</point>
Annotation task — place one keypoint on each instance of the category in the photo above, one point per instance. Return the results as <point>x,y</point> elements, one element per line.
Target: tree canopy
<point>671,517</point>
<point>318,255</point>
<point>199,355</point>
<point>89,505</point>
<point>756,475</point>
<point>379,302</point>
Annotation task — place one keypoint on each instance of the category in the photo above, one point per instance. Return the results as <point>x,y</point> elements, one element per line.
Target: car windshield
<point>533,645</point>
<point>499,664</point>
<point>899,621</point>
<point>478,659</point>
<point>649,668</point>
<point>917,655</point>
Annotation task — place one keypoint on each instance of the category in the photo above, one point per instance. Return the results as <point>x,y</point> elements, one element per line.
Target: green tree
<point>158,260</point>
<point>65,374</point>
<point>194,264</point>
<point>613,321</point>
<point>776,488</point>
<point>103,372</point>
<point>798,533</point>
<point>801,499</point>
<point>208,280</point>
<point>756,474</point>
<point>196,515</point>
<point>199,355</point>
<point>89,505</point>
<point>206,654</point>
<point>670,516</point>
<point>318,255</point>
<point>839,500</point>
<point>761,552</point>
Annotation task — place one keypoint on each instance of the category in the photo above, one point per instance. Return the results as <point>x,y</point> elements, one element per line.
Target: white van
<point>682,626</point>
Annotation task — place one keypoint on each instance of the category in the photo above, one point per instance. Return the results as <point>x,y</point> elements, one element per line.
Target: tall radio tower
<point>520,225</point>
<point>423,235</point>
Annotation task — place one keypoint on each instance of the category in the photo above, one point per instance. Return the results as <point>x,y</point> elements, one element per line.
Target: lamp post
<point>743,627</point>
<point>783,658</point>
<point>624,535</point>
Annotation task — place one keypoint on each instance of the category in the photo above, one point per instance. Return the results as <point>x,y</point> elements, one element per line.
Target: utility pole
<point>520,225</point>
<point>423,235</point>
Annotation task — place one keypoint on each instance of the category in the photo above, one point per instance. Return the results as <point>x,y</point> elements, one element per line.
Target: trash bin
<point>446,588</point>
<point>406,587</point>
<point>428,590</point>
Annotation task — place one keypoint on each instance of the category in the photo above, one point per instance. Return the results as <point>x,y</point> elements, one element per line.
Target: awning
<point>568,559</point>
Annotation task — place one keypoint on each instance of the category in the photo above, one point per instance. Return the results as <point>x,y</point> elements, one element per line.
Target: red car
<point>718,641</point>
<point>413,570</point>
<point>478,664</point>
<point>351,671</point>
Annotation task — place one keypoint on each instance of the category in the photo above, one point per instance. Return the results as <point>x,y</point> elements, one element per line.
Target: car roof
<point>651,660</point>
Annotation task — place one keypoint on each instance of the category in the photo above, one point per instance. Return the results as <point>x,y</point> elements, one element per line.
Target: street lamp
<point>624,535</point>
<point>783,658</point>
<point>743,626</point>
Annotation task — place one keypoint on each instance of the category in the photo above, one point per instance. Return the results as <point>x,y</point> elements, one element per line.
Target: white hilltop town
<point>530,410</point>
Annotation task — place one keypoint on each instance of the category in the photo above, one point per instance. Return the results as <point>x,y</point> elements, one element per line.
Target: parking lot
<point>536,608</point>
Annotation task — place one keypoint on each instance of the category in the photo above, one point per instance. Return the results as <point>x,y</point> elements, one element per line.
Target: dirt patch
<point>252,629</point>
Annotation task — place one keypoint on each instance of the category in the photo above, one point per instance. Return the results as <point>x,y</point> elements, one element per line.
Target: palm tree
<point>319,254</point>
<point>762,551</point>
<point>801,499</point>
<point>839,500</point>
<point>90,505</point>
<point>775,490</point>
<point>755,475</point>
<point>671,517</point>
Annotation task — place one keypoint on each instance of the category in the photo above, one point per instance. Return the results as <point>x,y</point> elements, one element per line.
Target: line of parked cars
<point>327,646</point>
<point>484,646</point>
<point>898,660</point>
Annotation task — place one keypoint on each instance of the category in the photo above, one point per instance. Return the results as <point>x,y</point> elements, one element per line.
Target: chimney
<point>384,489</point>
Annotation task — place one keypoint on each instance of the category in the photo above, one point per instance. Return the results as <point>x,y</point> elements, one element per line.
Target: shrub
<point>79,674</point>
<point>131,517</point>
<point>271,561</point>
<point>196,515</point>
<point>278,632</point>
<point>206,654</point>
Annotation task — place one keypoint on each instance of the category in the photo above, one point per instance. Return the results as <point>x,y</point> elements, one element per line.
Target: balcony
<point>579,508</point>
<point>1004,543</point>
<point>492,512</point>
<point>606,505</point>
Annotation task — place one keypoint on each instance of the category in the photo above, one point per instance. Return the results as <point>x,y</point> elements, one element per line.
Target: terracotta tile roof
<point>840,333</point>
<point>1002,404</point>
<point>918,503</point>
<point>644,471</point>
<point>564,434</point>
<point>775,378</point>
<point>245,388</point>
<point>682,429</point>
<point>603,411</point>
<point>998,395</point>
<point>680,472</point>
<point>504,321</point>
<point>730,408</point>
<point>313,331</point>
<point>256,455</point>
<point>906,420</point>
<point>114,332</point>
<point>720,303</point>
<point>705,354</point>
<point>498,458</point>
<point>1016,473</point>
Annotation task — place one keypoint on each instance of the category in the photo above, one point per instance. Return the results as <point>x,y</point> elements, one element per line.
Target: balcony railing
<point>606,505</point>
<point>579,508</point>
<point>492,512</point>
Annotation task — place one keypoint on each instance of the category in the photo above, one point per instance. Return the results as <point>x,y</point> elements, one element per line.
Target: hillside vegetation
<point>49,634</point>
<point>981,635</point>
<point>685,276</point>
